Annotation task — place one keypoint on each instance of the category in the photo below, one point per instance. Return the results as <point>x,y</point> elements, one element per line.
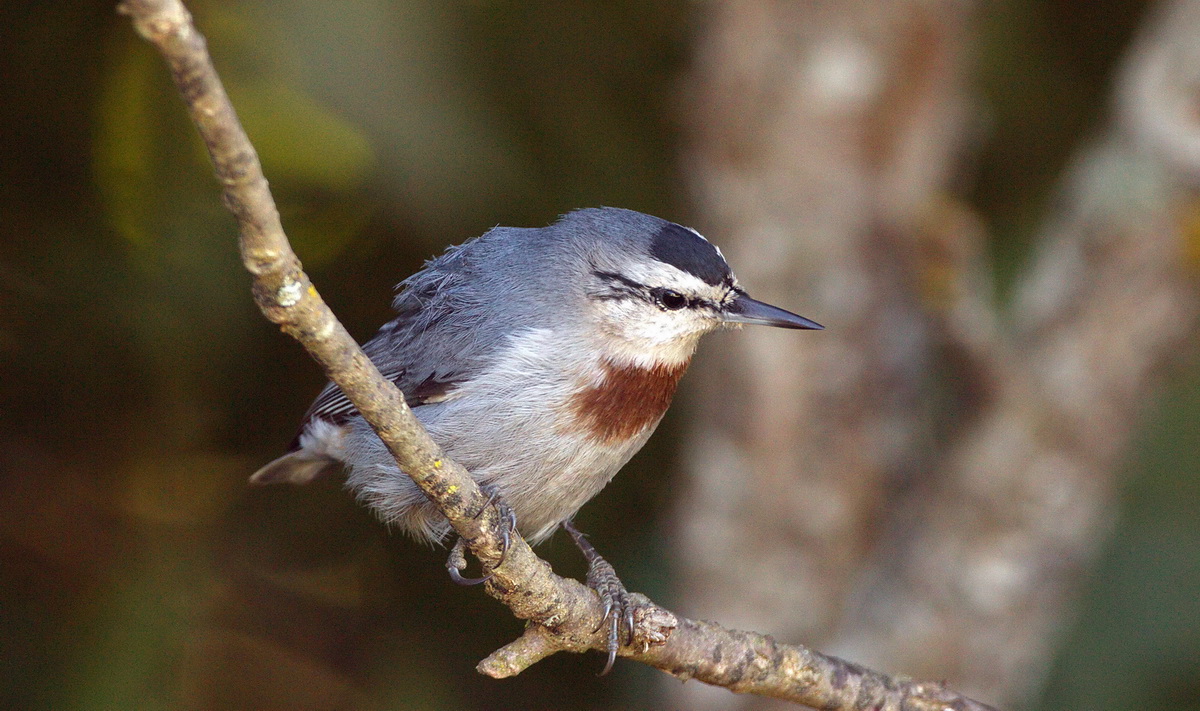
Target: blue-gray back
<point>454,314</point>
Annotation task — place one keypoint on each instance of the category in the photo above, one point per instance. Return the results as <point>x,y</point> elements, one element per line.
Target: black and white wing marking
<point>427,306</point>
<point>332,405</point>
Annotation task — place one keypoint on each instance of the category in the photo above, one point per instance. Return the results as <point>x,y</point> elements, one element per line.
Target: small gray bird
<point>541,360</point>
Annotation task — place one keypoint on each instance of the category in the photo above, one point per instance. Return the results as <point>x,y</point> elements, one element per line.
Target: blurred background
<point>983,471</point>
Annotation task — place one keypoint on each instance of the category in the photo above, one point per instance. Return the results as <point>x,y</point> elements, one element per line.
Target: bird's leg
<point>618,605</point>
<point>457,562</point>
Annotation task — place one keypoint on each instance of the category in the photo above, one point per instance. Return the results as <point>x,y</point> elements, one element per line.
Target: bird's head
<point>654,287</point>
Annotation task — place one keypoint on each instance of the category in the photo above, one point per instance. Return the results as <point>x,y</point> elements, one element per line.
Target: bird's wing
<point>431,347</point>
<point>423,386</point>
<point>333,405</point>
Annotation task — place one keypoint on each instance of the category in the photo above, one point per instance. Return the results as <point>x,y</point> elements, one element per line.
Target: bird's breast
<point>622,401</point>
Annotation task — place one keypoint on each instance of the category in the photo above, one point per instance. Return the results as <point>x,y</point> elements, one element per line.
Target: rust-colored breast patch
<point>625,401</point>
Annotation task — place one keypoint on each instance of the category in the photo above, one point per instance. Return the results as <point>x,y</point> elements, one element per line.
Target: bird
<point>541,359</point>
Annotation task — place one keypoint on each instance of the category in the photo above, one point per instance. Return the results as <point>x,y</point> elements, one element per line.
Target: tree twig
<point>564,615</point>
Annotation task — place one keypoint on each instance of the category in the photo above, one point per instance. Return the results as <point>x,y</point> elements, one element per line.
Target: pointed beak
<point>743,309</point>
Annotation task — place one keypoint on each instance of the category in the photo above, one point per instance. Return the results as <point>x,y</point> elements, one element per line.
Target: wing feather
<point>431,347</point>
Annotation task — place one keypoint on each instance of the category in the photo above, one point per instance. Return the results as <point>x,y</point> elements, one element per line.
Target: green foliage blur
<point>139,386</point>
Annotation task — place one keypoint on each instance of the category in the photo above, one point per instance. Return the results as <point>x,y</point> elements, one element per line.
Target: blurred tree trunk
<point>949,479</point>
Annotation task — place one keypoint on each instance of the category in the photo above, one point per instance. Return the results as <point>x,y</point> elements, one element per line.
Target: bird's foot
<point>624,612</point>
<point>506,515</point>
<point>457,562</point>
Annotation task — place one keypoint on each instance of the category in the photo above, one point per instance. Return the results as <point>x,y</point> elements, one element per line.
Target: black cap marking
<point>689,252</point>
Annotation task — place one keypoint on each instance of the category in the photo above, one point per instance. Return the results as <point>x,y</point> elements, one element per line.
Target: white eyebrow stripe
<point>714,246</point>
<point>660,274</point>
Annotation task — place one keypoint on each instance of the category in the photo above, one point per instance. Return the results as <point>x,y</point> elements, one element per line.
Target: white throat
<point>648,350</point>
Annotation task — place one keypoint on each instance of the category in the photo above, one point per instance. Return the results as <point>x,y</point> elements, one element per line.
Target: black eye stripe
<point>619,285</point>
<point>660,296</point>
<point>614,277</point>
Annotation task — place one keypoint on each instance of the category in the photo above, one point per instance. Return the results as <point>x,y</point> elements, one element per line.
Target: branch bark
<point>563,615</point>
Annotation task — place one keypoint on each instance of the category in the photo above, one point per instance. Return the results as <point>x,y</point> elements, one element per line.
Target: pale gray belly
<point>511,427</point>
<point>544,474</point>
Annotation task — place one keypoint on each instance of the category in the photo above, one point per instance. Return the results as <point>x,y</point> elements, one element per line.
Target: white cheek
<point>660,327</point>
<point>638,333</point>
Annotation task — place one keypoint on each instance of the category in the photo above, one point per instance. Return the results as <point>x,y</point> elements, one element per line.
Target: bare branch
<point>563,614</point>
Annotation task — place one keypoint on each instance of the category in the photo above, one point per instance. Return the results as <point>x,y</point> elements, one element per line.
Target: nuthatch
<point>539,359</point>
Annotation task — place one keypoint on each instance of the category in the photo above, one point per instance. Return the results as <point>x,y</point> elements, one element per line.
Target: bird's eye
<point>671,300</point>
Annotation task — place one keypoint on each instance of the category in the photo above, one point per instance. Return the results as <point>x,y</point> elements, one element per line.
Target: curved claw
<point>613,642</point>
<point>492,496</point>
<point>457,562</point>
<point>629,625</point>
<point>614,632</point>
<point>511,519</point>
<point>505,540</point>
<point>612,659</point>
<point>608,608</point>
<point>458,577</point>
<point>506,514</point>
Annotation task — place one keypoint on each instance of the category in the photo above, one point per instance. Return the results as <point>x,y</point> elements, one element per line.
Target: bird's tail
<point>299,467</point>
